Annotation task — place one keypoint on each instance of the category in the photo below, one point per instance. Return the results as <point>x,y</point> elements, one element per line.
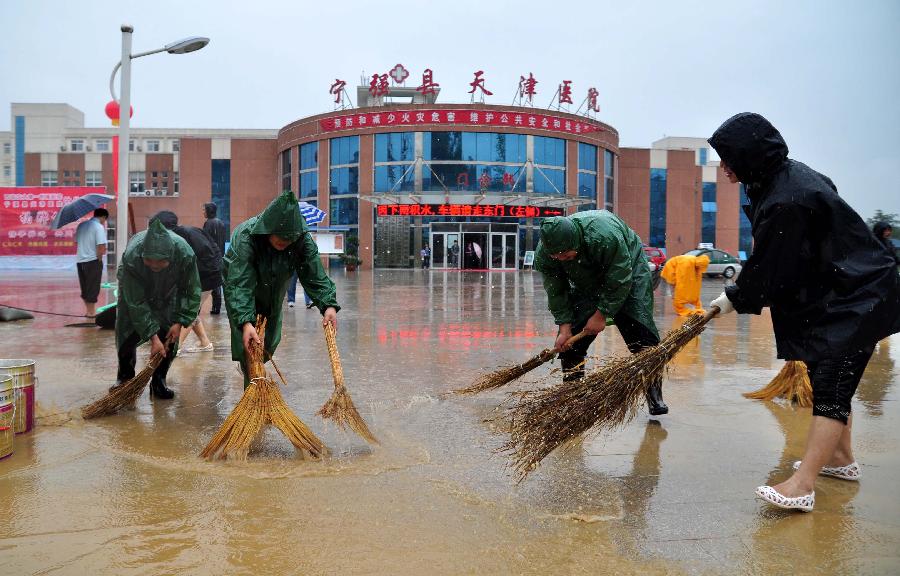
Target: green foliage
<point>893,220</point>
<point>351,251</point>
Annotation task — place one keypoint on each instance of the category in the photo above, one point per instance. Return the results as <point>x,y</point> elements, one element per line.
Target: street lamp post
<point>181,47</point>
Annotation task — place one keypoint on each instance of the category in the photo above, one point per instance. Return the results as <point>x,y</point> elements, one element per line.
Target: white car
<point>720,262</point>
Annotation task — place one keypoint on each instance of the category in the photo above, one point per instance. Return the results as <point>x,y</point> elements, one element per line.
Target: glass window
<point>587,157</point>
<point>102,145</point>
<point>388,178</point>
<point>442,146</point>
<point>152,145</point>
<point>7,171</point>
<point>309,184</point>
<point>137,182</point>
<point>175,182</point>
<point>549,151</point>
<point>93,178</point>
<point>703,156</point>
<point>176,145</point>
<point>549,181</point>
<point>344,211</point>
<point>309,156</point>
<point>344,181</point>
<point>609,179</point>
<point>658,178</point>
<point>587,185</point>
<point>7,148</point>
<point>48,178</point>
<point>286,169</point>
<point>77,145</point>
<point>395,147</point>
<point>345,150</point>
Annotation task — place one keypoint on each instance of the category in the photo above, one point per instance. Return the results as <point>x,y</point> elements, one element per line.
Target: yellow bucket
<point>7,414</point>
<point>22,372</point>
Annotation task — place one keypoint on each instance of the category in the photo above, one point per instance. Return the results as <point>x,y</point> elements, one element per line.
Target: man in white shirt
<point>90,236</point>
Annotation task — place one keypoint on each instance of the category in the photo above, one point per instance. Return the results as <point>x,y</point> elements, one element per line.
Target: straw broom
<point>791,383</point>
<point>340,406</point>
<point>504,376</point>
<point>124,395</point>
<point>260,405</point>
<point>604,399</point>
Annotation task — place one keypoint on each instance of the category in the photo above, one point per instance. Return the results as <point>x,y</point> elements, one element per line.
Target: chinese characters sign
<point>460,117</point>
<point>25,216</point>
<point>495,210</point>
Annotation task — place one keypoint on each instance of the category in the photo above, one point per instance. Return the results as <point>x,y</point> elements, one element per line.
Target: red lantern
<point>112,112</point>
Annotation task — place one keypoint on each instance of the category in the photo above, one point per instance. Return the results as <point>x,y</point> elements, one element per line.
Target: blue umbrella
<point>311,214</point>
<point>73,211</point>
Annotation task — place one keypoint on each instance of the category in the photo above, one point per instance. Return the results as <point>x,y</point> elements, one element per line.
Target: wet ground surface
<point>127,494</point>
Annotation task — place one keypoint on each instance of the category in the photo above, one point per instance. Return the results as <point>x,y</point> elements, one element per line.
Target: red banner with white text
<point>25,216</point>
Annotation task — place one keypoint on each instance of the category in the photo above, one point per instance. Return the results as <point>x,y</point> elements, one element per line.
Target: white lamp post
<point>180,47</point>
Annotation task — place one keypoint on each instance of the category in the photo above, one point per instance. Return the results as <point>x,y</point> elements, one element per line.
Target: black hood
<point>751,147</point>
<point>167,218</point>
<point>210,209</point>
<point>879,229</point>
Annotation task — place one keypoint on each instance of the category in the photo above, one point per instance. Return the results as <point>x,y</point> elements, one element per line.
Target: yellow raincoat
<point>685,273</point>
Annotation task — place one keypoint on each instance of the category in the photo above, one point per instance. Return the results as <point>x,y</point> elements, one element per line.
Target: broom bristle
<point>791,382</point>
<point>339,407</point>
<point>124,395</point>
<point>606,398</point>
<point>503,376</point>
<point>260,405</point>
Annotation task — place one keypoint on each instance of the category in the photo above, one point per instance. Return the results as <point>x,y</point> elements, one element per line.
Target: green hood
<point>282,218</point>
<point>559,234</point>
<point>158,243</point>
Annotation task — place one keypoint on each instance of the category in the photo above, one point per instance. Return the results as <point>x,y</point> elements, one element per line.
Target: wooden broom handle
<point>577,337</point>
<point>331,343</point>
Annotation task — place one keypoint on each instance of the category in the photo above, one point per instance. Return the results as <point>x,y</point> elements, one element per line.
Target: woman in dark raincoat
<point>159,294</point>
<point>831,287</point>
<point>594,268</point>
<point>265,252</point>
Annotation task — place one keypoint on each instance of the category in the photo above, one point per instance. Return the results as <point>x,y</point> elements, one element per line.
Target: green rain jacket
<point>609,274</point>
<point>153,301</point>
<point>257,275</point>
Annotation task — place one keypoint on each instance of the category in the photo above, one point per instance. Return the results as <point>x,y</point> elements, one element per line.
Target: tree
<point>892,220</point>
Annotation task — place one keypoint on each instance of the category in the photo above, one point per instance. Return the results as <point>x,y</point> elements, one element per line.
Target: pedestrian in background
<point>426,257</point>
<point>90,238</point>
<point>883,231</point>
<point>219,233</point>
<point>685,274</point>
<point>209,269</point>
<point>832,290</point>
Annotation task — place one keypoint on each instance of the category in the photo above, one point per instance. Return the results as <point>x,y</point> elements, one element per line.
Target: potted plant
<point>350,257</point>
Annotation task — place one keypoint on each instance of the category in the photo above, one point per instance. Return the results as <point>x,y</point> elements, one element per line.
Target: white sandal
<point>772,496</point>
<point>208,348</point>
<point>849,472</point>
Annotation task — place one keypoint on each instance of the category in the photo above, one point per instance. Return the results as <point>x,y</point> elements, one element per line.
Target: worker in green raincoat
<point>159,293</point>
<point>594,268</point>
<point>265,252</point>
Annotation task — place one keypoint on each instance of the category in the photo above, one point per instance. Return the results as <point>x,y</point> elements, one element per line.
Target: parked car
<point>655,255</point>
<point>720,262</point>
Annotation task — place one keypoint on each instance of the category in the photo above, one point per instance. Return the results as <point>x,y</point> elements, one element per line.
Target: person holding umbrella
<point>90,239</point>
<point>832,290</point>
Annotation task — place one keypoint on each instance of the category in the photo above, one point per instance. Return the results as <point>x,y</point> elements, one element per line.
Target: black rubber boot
<point>655,404</point>
<point>158,389</point>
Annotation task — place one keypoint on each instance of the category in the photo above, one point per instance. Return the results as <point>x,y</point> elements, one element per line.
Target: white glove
<point>723,304</point>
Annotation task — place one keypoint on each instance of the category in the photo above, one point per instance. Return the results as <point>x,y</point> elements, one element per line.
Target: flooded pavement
<point>128,494</point>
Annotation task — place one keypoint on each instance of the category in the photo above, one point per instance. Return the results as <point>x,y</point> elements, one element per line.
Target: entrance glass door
<point>504,251</point>
<point>445,250</point>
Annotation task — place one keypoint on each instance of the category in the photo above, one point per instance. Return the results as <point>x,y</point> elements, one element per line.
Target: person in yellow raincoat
<point>685,273</point>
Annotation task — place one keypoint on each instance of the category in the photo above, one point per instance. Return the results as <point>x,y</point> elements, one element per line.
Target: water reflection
<point>877,379</point>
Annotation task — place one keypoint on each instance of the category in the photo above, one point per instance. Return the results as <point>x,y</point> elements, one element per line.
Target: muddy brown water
<point>127,494</point>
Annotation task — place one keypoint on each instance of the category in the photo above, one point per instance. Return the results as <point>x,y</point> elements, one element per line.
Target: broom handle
<point>331,343</point>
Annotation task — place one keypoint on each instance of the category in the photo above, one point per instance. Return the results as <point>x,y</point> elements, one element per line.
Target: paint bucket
<point>22,372</point>
<point>7,415</point>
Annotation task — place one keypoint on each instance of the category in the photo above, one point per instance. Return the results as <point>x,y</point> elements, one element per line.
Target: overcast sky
<point>824,72</point>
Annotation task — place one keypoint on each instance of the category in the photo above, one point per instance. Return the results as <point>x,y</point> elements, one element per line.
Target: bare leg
<point>90,308</point>
<point>200,331</point>
<point>185,332</point>
<point>825,435</point>
<point>843,454</point>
